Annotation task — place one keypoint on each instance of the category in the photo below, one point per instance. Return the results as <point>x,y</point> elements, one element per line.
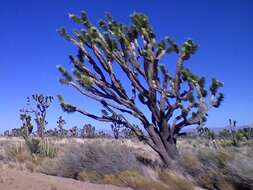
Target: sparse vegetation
<point>102,161</point>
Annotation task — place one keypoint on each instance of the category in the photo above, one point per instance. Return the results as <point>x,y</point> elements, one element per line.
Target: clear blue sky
<point>30,49</point>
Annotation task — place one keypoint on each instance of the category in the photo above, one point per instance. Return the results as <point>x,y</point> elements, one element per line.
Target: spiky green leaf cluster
<point>187,75</point>
<point>64,33</point>
<point>215,86</point>
<point>188,49</point>
<point>83,19</point>
<point>84,80</point>
<point>219,100</point>
<point>164,71</point>
<point>66,107</point>
<point>66,76</point>
<point>168,45</point>
<point>141,22</point>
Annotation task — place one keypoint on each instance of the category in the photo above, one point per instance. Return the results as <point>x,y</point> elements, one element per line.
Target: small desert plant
<point>33,145</point>
<point>41,147</point>
<point>47,149</point>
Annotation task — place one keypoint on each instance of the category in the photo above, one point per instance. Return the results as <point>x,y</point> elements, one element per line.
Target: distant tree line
<point>35,112</point>
<point>232,133</point>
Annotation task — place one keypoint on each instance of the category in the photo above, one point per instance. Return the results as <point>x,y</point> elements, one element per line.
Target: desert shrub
<point>17,152</point>
<point>226,142</point>
<point>33,145</point>
<point>102,157</point>
<point>43,148</point>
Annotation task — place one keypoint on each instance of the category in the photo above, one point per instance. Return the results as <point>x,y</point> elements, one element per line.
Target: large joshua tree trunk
<point>166,148</point>
<point>172,101</point>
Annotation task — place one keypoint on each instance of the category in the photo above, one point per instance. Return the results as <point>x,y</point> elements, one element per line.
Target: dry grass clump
<point>175,181</point>
<point>18,152</point>
<point>134,180</point>
<point>90,176</point>
<point>104,158</point>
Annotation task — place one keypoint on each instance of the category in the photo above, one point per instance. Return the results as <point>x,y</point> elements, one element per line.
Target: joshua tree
<point>42,103</point>
<point>120,130</point>
<point>74,131</point>
<point>6,133</point>
<point>27,126</point>
<point>113,52</point>
<point>89,131</point>
<point>128,133</point>
<point>232,127</point>
<point>116,129</point>
<point>247,133</point>
<point>60,124</point>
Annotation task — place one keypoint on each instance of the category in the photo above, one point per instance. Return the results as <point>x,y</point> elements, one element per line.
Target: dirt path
<point>21,180</point>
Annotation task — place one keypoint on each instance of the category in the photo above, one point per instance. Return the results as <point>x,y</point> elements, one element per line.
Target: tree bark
<point>168,156</point>
<point>165,146</point>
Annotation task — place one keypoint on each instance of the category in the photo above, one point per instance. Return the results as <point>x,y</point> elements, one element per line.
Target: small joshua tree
<point>89,131</point>
<point>27,126</point>
<point>38,106</point>
<point>247,133</point>
<point>6,133</point>
<point>74,131</point>
<point>113,50</point>
<point>60,124</point>
<point>116,130</point>
<point>232,127</point>
<point>128,133</point>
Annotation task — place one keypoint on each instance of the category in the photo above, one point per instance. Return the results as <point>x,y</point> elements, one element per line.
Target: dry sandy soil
<point>20,180</point>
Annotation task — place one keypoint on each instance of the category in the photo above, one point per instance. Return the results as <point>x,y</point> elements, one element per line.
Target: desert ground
<point>12,179</point>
